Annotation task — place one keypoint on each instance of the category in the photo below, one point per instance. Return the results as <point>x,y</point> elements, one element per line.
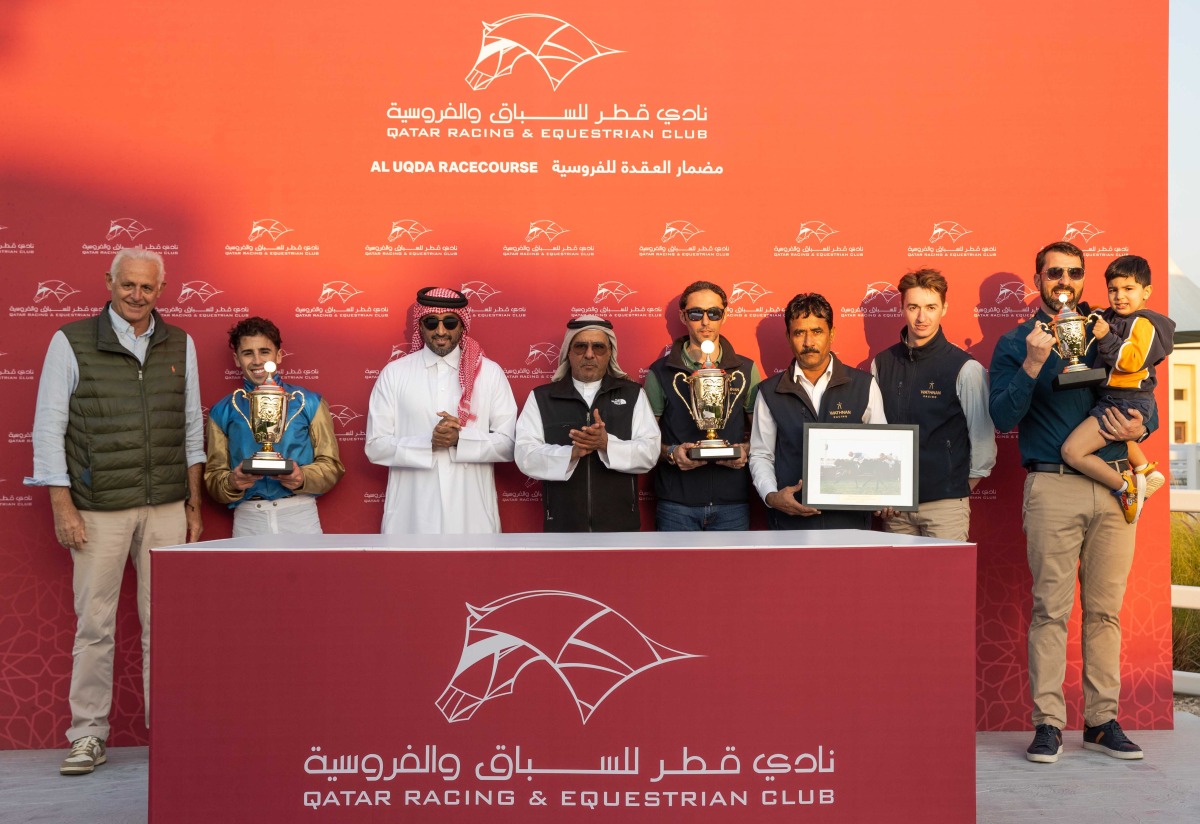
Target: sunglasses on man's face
<point>431,322</point>
<point>696,313</point>
<point>1057,272</point>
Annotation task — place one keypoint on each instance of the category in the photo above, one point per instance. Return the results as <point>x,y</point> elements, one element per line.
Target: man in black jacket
<point>701,495</point>
<point>587,435</point>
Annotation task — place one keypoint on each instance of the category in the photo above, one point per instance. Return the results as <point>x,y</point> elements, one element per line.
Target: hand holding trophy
<point>714,392</point>
<point>1069,329</point>
<point>268,408</point>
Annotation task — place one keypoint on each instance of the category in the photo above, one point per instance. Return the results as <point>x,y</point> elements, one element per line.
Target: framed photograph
<point>860,466</point>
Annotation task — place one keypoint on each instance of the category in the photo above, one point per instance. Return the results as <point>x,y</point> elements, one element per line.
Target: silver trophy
<point>713,395</point>
<point>1069,329</point>
<point>268,411</point>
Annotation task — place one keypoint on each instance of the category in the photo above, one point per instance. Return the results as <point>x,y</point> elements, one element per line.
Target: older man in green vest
<point>118,439</point>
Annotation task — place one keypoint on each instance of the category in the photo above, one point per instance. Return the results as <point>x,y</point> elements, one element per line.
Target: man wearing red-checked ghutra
<point>439,418</point>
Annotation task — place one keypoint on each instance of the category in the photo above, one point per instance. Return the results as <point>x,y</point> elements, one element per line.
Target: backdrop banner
<point>318,164</point>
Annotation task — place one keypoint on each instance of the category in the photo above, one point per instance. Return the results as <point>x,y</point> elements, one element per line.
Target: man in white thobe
<point>439,418</point>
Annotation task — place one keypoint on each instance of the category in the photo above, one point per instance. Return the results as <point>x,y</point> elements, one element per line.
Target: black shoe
<point>1047,744</point>
<point>1110,739</point>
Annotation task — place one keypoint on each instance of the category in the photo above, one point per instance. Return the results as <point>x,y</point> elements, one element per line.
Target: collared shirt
<point>432,491</point>
<point>657,395</point>
<point>60,378</point>
<point>765,432</point>
<point>553,462</point>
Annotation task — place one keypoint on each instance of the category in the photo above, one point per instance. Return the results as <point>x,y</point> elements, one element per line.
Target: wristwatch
<point>671,455</point>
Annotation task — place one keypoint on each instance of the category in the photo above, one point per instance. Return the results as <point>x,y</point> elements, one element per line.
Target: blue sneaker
<point>1047,744</point>
<point>1110,739</point>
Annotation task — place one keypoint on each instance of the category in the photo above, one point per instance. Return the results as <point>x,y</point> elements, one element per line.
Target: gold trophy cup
<point>268,408</point>
<point>1070,333</point>
<point>714,393</point>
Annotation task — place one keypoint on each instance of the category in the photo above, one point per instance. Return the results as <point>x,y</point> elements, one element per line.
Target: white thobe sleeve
<point>536,458</point>
<point>762,449</point>
<point>641,452</point>
<point>490,437</point>
<point>384,443</point>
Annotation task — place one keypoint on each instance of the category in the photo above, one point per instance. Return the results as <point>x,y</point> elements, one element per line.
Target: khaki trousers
<point>112,537</point>
<point>949,518</point>
<point>1075,530</point>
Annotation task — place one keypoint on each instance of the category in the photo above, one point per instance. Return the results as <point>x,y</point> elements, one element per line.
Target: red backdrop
<point>313,164</point>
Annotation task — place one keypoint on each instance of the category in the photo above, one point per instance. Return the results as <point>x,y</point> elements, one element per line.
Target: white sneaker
<point>86,754</point>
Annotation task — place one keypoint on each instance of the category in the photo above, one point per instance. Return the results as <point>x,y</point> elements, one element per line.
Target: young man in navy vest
<point>816,387</point>
<point>587,435</point>
<point>927,380</point>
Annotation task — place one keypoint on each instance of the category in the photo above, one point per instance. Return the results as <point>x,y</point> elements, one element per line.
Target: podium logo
<point>881,291</point>
<point>53,288</point>
<point>343,414</point>
<point>590,646</point>
<point>547,229</point>
<point>411,229</point>
<point>337,289</point>
<point>127,226</point>
<point>269,227</point>
<point>680,230</point>
<point>747,289</point>
<point>948,230</point>
<point>542,351</point>
<point>554,44</point>
<point>197,289</point>
<point>817,230</point>
<point>1081,232</point>
<point>1013,292</point>
<point>612,289</point>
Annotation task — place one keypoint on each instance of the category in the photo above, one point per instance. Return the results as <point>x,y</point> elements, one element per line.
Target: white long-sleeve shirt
<point>553,462</point>
<point>765,431</point>
<point>439,491</point>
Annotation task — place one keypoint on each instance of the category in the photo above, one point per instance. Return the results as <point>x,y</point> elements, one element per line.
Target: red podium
<point>637,677</point>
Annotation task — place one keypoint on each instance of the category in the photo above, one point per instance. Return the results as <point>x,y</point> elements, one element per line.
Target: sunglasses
<point>696,313</point>
<point>1056,272</point>
<point>431,322</point>
<point>581,347</point>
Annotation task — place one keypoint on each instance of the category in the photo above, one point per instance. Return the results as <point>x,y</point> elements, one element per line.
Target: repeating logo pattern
<point>1081,232</point>
<point>269,227</point>
<point>59,289</point>
<point>947,231</point>
<point>747,289</point>
<point>614,289</point>
<point>411,229</point>
<point>817,230</point>
<point>197,289</point>
<point>128,226</point>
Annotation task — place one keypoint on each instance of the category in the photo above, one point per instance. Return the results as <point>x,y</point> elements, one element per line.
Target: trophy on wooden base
<point>714,393</point>
<point>1069,329</point>
<point>267,422</point>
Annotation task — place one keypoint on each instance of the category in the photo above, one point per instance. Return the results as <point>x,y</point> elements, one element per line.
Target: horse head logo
<point>555,45</point>
<point>589,645</point>
<point>948,229</point>
<point>125,225</point>
<point>814,229</point>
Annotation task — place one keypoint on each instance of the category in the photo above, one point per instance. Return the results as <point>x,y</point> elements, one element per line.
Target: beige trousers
<point>949,518</point>
<point>1074,530</point>
<point>112,538</point>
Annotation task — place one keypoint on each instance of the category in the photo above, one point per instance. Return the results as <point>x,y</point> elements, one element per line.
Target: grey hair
<point>137,253</point>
